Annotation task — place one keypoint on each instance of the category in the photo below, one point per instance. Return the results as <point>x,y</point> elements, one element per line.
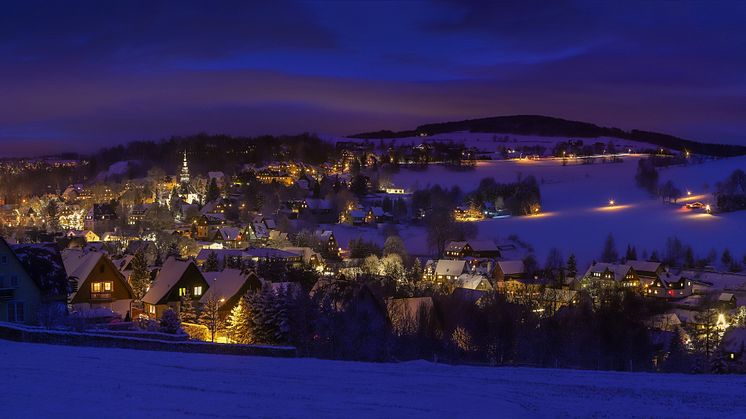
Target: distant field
<point>575,214</point>
<point>80,382</point>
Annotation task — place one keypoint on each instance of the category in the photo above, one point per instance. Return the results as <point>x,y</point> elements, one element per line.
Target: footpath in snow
<point>61,381</point>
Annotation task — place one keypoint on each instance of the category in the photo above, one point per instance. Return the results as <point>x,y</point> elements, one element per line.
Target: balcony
<point>101,296</point>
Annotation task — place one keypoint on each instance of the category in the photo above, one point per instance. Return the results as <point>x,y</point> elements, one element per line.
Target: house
<point>326,237</point>
<point>509,269</point>
<point>472,249</point>
<point>449,270</point>
<point>377,215</point>
<point>727,301</point>
<point>734,343</point>
<point>96,282</point>
<point>474,282</point>
<point>31,277</point>
<point>268,254</point>
<point>356,217</point>
<point>611,274</point>
<point>87,235</point>
<point>646,271</point>
<point>137,214</point>
<point>229,237</point>
<point>308,255</point>
<point>669,286</point>
<point>100,218</point>
<point>176,279</point>
<point>228,286</point>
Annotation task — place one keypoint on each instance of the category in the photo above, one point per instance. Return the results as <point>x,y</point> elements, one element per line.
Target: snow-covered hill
<point>60,381</point>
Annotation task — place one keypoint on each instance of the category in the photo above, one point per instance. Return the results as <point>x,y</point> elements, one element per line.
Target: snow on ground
<point>576,217</point>
<point>62,381</point>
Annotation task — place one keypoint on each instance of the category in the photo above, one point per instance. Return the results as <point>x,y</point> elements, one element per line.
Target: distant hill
<point>556,127</point>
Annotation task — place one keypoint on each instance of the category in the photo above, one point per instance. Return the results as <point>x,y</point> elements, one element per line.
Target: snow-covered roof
<point>619,271</point>
<point>644,265</point>
<point>79,264</point>
<point>167,278</point>
<point>269,253</point>
<point>43,263</point>
<point>473,281</point>
<point>511,267</point>
<point>450,267</point>
<point>734,340</point>
<point>224,284</point>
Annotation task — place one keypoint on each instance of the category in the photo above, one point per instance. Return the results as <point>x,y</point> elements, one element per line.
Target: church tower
<point>184,176</point>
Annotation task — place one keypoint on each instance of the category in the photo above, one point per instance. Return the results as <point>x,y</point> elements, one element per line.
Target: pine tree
<point>213,192</point>
<point>140,278</point>
<point>170,322</point>
<point>631,253</point>
<point>572,266</point>
<point>187,311</point>
<point>415,272</point>
<point>211,264</point>
<point>726,259</point>
<point>210,316</point>
<point>239,323</point>
<point>609,254</point>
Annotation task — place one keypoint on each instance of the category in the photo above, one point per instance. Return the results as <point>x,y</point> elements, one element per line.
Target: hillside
<point>557,127</point>
<point>107,382</point>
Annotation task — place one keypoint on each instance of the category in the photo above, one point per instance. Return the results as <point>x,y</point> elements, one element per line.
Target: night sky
<point>79,75</point>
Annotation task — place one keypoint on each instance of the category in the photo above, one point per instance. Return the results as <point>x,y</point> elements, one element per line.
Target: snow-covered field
<point>576,217</point>
<point>61,381</point>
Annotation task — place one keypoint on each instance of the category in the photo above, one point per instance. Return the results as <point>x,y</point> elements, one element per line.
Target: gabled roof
<point>644,265</point>
<point>43,263</point>
<point>619,271</point>
<point>483,245</point>
<point>229,233</point>
<point>224,284</point>
<point>269,253</point>
<point>455,246</point>
<point>511,267</point>
<point>472,281</point>
<point>450,267</point>
<point>169,275</point>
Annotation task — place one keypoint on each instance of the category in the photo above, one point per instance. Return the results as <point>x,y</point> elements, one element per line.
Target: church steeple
<point>184,177</point>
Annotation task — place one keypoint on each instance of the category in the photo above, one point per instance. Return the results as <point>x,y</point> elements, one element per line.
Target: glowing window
<point>197,291</point>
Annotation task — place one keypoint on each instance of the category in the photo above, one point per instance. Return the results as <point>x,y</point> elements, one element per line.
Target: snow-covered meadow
<point>576,216</point>
<point>62,381</point>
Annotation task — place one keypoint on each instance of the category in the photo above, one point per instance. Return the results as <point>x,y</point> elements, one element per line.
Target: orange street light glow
<point>609,208</point>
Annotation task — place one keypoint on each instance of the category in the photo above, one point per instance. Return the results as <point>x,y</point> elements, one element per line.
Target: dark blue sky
<point>79,75</point>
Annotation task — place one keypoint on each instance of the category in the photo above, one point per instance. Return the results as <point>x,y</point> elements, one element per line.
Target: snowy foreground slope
<point>60,381</point>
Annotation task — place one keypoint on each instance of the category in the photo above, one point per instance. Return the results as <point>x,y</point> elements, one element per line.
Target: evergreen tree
<point>239,323</point>
<point>415,272</point>
<point>213,192</point>
<point>609,254</point>
<point>572,266</point>
<point>210,316</point>
<point>187,311</point>
<point>170,322</point>
<point>211,264</point>
<point>726,259</point>
<point>140,278</point>
<point>174,202</point>
<point>631,253</point>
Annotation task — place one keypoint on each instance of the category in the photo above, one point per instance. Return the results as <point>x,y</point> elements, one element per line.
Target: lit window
<point>151,309</point>
<point>197,291</point>
<point>182,292</point>
<point>108,286</point>
<point>96,287</point>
